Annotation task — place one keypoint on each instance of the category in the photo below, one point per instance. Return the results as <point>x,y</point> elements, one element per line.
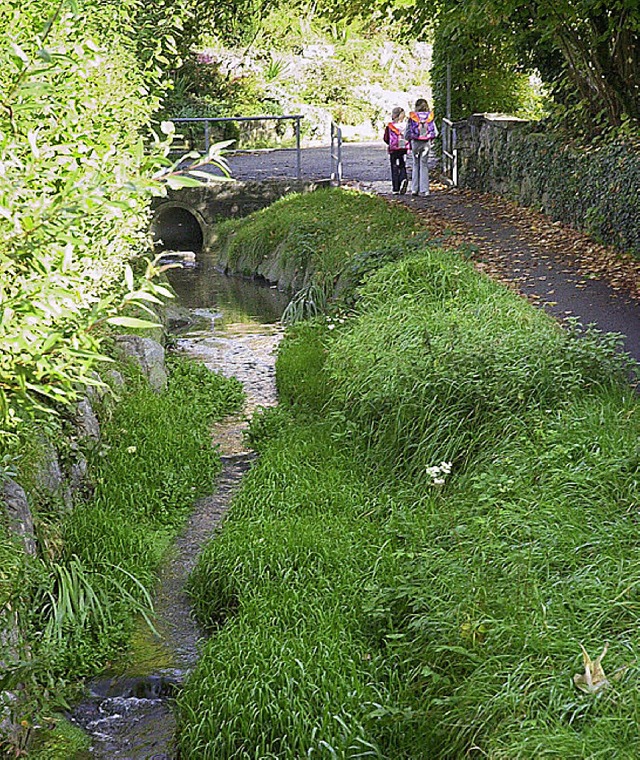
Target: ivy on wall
<point>594,188</point>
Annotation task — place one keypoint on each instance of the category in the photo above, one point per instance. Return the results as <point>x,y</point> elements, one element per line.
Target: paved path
<point>558,268</point>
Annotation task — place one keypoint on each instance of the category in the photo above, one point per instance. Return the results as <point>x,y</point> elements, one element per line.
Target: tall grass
<point>155,459</point>
<point>358,606</point>
<point>288,671</point>
<point>500,578</point>
<point>439,363</point>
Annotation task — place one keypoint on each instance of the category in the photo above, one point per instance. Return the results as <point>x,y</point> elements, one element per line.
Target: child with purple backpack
<point>420,132</point>
<point>398,146</point>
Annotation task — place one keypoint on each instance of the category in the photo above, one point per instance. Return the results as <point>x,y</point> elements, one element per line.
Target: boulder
<point>149,355</point>
<point>18,514</point>
<point>87,424</point>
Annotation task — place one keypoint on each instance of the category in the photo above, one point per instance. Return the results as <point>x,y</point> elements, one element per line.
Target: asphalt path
<point>559,269</point>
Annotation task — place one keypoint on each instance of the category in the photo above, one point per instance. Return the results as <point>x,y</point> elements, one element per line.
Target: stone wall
<point>594,188</point>
<point>214,202</point>
<point>482,142</point>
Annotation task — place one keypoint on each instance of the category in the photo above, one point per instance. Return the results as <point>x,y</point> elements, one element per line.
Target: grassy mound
<point>443,512</point>
<point>304,239</point>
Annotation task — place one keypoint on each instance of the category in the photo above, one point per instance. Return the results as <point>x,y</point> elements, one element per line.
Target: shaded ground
<point>556,267</point>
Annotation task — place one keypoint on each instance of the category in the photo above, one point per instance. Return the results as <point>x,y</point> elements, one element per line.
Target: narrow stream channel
<point>234,330</point>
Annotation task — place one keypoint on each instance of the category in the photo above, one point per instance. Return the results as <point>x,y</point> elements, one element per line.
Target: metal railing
<point>449,152</point>
<point>206,121</point>
<point>336,153</point>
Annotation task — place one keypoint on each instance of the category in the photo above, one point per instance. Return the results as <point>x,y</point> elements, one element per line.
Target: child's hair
<point>396,113</point>
<point>422,105</point>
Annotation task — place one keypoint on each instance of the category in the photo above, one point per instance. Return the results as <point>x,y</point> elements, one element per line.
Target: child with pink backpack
<point>398,146</point>
<point>420,133</point>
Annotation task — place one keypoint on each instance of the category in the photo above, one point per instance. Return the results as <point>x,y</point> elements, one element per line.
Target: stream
<point>233,328</point>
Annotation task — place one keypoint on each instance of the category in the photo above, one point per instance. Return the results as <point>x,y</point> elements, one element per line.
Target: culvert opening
<point>177,229</point>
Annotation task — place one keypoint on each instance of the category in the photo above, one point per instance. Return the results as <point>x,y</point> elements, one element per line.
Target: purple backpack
<point>422,126</point>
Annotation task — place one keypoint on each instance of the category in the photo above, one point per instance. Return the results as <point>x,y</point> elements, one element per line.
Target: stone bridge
<point>185,220</point>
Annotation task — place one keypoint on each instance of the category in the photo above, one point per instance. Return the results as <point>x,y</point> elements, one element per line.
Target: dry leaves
<point>510,240</point>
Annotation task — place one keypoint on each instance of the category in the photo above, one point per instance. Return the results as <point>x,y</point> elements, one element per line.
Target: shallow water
<point>238,299</point>
<point>235,331</point>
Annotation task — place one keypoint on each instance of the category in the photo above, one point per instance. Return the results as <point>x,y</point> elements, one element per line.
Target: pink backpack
<point>396,137</point>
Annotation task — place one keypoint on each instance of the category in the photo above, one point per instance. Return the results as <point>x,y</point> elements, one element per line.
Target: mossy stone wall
<point>595,189</point>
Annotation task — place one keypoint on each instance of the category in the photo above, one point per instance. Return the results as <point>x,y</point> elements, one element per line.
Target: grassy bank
<point>304,241</point>
<point>443,512</point>
<point>78,601</point>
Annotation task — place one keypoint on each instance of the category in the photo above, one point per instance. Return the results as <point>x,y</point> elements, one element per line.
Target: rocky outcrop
<point>87,424</point>
<point>48,477</point>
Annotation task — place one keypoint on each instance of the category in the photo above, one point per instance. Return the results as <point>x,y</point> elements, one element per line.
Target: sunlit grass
<point>435,619</point>
<point>316,233</point>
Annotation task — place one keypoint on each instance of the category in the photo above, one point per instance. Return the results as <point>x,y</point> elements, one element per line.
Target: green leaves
<point>131,322</point>
<point>74,187</point>
<point>583,50</point>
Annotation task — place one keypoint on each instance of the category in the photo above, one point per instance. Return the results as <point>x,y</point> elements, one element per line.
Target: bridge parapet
<point>186,218</point>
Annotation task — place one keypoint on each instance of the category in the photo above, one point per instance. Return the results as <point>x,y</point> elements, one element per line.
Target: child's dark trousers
<point>398,169</point>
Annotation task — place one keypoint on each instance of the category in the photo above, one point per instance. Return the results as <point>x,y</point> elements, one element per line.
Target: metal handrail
<point>450,152</point>
<point>336,153</point>
<point>207,120</point>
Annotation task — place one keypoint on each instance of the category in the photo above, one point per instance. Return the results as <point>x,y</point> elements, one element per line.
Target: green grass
<point>61,741</point>
<point>78,606</point>
<point>439,361</point>
<point>156,460</point>
<point>357,609</point>
<point>288,668</point>
<point>317,233</point>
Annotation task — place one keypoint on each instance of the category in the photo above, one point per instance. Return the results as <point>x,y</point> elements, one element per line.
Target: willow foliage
<point>77,95</point>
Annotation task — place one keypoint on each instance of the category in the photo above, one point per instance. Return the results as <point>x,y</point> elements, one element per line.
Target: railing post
<point>454,152</point>
<point>298,157</point>
<point>336,153</point>
<point>444,146</point>
<point>207,137</point>
<point>450,152</point>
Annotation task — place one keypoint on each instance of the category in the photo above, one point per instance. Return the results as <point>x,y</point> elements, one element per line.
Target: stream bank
<point>233,330</point>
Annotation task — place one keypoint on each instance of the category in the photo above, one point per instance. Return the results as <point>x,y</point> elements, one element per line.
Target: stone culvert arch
<point>178,227</point>
<point>186,219</point>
